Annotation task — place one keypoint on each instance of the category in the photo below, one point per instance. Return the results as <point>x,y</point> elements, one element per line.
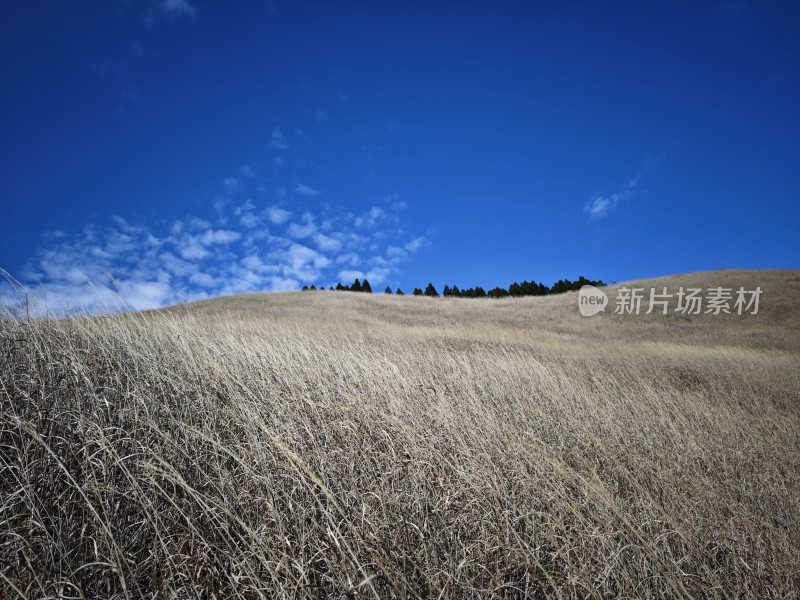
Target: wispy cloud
<point>304,190</point>
<point>601,205</point>
<point>232,185</point>
<point>169,9</point>
<point>177,8</point>
<point>277,215</point>
<point>371,218</point>
<point>247,171</point>
<point>278,140</point>
<point>237,247</point>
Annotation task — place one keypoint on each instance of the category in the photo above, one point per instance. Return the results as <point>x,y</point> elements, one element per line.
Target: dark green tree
<point>497,292</point>
<point>399,292</point>
<point>313,288</point>
<point>388,290</point>
<point>431,292</point>
<point>417,292</point>
<point>356,287</point>
<point>446,291</point>
<point>366,287</point>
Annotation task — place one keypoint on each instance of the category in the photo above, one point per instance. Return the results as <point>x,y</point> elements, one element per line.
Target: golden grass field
<point>314,445</point>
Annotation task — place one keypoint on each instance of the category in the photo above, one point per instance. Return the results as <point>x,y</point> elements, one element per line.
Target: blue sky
<point>191,148</point>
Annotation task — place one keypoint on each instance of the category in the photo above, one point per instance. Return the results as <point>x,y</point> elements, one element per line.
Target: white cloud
<point>601,205</point>
<point>349,276</point>
<point>219,236</point>
<point>144,294</point>
<point>226,250</point>
<point>278,140</point>
<point>247,171</point>
<point>246,215</point>
<point>203,280</point>
<point>304,190</point>
<point>350,258</point>
<point>298,231</point>
<point>396,254</point>
<point>194,252</point>
<point>370,218</point>
<point>416,244</point>
<point>255,264</point>
<point>276,215</point>
<point>195,224</point>
<point>304,264</point>
<point>283,283</point>
<point>176,266</point>
<point>378,275</point>
<point>322,116</point>
<point>249,220</point>
<point>327,243</point>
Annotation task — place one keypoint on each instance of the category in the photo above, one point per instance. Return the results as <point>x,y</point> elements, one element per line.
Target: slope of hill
<point>336,444</point>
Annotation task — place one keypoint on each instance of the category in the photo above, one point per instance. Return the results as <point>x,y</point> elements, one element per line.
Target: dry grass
<point>336,445</point>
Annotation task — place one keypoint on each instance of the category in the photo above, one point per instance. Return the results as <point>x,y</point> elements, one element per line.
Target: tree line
<point>526,288</point>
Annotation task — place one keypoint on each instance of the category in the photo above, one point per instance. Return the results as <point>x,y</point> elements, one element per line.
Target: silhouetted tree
<point>313,288</point>
<point>497,292</point>
<point>476,292</point>
<point>366,287</point>
<point>388,290</point>
<point>340,288</point>
<point>417,292</point>
<point>356,287</point>
<point>330,289</point>
<point>455,292</point>
<point>399,292</point>
<point>431,291</point>
<point>305,288</point>
<point>446,291</point>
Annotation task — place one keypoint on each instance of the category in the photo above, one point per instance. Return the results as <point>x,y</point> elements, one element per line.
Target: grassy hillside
<point>337,444</point>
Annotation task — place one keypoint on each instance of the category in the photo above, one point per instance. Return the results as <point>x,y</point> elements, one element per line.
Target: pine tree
<point>305,288</point>
<point>399,292</point>
<point>388,290</point>
<point>446,291</point>
<point>356,287</point>
<point>366,287</point>
<point>313,288</point>
<point>340,287</point>
<point>417,292</point>
<point>431,291</point>
<point>456,292</point>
